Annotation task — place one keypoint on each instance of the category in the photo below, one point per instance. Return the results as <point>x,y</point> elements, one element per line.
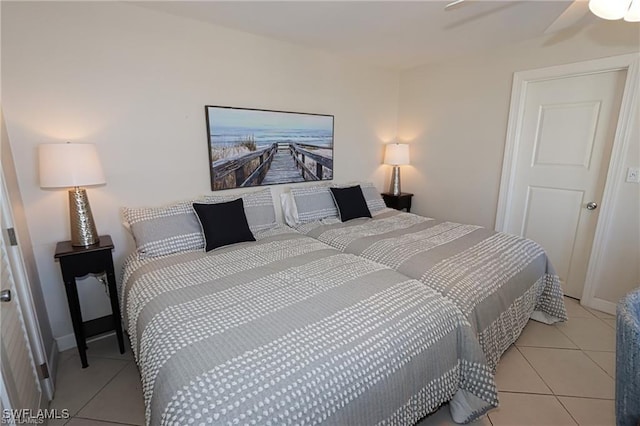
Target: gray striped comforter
<point>497,280</point>
<point>287,330</point>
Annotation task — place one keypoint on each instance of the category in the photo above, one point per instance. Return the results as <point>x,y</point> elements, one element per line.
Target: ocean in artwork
<point>228,136</point>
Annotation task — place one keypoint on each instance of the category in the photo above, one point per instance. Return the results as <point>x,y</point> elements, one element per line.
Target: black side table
<point>398,202</point>
<point>77,262</point>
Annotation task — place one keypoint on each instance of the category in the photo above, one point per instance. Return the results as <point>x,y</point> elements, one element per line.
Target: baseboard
<point>602,305</point>
<point>66,342</point>
<point>52,363</point>
<point>101,336</point>
<point>69,341</point>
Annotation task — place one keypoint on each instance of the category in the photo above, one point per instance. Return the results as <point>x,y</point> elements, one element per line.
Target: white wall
<point>134,82</point>
<point>455,115</point>
<point>620,272</point>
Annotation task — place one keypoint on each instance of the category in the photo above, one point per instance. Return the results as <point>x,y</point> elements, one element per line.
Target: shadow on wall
<point>598,31</point>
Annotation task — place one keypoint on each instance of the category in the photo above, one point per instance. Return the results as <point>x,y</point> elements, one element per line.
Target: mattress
<point>287,330</point>
<point>497,280</point>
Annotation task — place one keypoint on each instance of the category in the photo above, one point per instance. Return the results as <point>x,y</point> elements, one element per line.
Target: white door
<point>567,131</point>
<point>20,340</point>
<point>19,374</point>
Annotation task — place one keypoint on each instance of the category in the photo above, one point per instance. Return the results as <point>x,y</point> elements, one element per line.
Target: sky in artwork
<point>230,117</point>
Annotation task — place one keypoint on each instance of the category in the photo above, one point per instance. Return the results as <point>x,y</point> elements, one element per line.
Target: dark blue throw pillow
<point>350,202</point>
<point>223,223</point>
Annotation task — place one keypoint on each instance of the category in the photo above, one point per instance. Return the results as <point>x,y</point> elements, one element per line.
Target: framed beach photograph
<point>253,147</point>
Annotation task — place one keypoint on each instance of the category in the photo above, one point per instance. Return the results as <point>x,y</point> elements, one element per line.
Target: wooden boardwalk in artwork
<point>283,169</point>
<point>277,163</point>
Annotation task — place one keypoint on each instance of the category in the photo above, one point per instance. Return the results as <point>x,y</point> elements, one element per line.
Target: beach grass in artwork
<point>249,147</point>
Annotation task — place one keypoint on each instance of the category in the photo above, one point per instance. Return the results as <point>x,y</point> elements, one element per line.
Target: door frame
<point>25,299</point>
<point>630,97</point>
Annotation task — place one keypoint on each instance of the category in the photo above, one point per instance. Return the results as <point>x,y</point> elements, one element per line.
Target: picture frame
<point>256,147</point>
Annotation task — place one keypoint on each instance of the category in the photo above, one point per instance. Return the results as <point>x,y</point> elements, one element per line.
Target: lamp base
<point>394,187</point>
<point>83,228</point>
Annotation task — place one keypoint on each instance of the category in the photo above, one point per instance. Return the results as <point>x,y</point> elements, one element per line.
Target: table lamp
<point>396,155</point>
<point>72,165</point>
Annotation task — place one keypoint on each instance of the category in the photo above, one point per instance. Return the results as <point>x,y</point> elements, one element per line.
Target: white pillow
<point>289,209</point>
<point>313,203</point>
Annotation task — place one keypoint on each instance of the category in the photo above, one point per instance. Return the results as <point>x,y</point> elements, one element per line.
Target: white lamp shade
<point>633,14</point>
<point>609,9</point>
<point>396,154</point>
<point>64,165</point>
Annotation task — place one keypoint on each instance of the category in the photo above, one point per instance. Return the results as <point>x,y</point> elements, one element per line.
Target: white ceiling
<point>393,34</point>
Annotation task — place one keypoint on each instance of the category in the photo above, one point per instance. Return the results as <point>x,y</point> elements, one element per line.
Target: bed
<point>499,281</point>
<point>287,330</point>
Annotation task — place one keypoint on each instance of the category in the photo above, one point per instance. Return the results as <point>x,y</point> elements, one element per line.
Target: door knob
<point>592,205</point>
<point>5,296</point>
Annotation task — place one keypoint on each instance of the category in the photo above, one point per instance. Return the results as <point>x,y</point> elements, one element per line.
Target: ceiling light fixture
<point>629,10</point>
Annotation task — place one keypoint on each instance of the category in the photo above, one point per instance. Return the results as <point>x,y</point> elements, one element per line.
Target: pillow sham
<point>164,230</point>
<point>223,223</point>
<point>314,203</point>
<point>375,203</point>
<point>258,208</point>
<point>351,203</point>
<point>374,200</point>
<point>159,231</point>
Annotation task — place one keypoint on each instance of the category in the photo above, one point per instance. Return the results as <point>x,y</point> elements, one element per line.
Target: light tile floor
<point>553,375</point>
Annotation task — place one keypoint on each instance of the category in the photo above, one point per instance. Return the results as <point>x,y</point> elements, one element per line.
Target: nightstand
<point>398,202</point>
<point>77,262</point>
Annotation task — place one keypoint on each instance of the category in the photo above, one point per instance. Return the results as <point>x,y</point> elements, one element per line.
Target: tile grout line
<point>104,421</point>
<point>545,383</point>
<point>584,352</point>
<point>552,347</point>
<point>566,409</point>
<point>558,395</point>
<point>565,335</point>
<point>599,366</point>
<point>568,337</point>
<point>528,393</point>
<point>552,391</point>
<point>489,418</point>
<point>585,397</point>
<point>534,369</point>
<point>554,396</point>
<point>100,390</point>
<point>577,348</point>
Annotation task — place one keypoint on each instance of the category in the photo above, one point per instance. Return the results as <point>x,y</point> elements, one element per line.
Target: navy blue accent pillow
<point>223,223</point>
<point>350,202</point>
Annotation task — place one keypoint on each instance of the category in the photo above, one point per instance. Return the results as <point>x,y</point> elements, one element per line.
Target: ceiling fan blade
<point>453,4</point>
<point>571,16</point>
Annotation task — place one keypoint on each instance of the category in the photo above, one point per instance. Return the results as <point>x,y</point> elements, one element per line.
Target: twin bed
<point>369,321</point>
